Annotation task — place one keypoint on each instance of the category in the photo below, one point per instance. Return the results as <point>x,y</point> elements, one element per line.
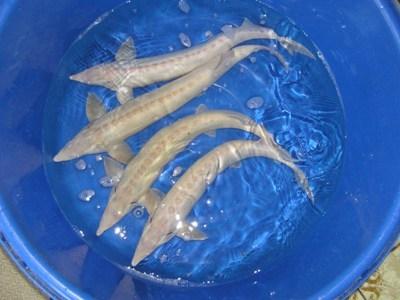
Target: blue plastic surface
<point>360,41</point>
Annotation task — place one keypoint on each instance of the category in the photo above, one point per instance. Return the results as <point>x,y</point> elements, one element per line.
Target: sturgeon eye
<point>170,234</point>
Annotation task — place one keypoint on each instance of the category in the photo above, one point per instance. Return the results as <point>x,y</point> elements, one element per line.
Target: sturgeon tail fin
<point>250,31</point>
<point>281,155</point>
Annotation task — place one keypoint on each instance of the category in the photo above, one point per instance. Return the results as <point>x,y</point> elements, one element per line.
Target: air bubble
<point>185,40</point>
<point>80,165</point>
<point>138,212</point>
<point>263,18</point>
<point>163,258</point>
<point>86,195</point>
<point>208,34</point>
<point>177,171</point>
<point>255,102</point>
<point>108,182</point>
<point>184,6</point>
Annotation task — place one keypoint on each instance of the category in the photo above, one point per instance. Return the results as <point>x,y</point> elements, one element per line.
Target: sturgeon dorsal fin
<point>151,200</point>
<point>113,168</point>
<point>127,51</point>
<point>247,24</point>
<point>228,30</point>
<point>94,108</point>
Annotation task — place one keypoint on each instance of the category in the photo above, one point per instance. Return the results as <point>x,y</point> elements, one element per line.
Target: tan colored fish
<point>114,171</point>
<point>169,219</point>
<point>107,131</point>
<point>143,169</point>
<point>128,72</point>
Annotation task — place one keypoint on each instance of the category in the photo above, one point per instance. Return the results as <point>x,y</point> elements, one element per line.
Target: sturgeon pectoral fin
<point>151,200</point>
<point>94,108</point>
<point>230,31</point>
<point>127,51</point>
<point>189,233</point>
<point>121,152</point>
<point>124,94</point>
<point>113,168</point>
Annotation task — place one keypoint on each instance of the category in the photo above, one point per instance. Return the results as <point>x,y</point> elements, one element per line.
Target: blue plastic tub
<point>362,219</point>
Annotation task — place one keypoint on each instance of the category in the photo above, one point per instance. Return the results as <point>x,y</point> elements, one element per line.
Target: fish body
<point>128,72</point>
<point>107,131</point>
<point>147,165</point>
<point>169,218</point>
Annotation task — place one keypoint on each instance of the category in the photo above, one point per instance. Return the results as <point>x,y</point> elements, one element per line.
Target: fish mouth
<point>83,77</point>
<point>140,254</point>
<point>109,218</point>
<point>100,230</point>
<point>105,223</point>
<point>137,258</point>
<point>88,76</point>
<point>81,144</point>
<point>97,75</point>
<point>65,154</point>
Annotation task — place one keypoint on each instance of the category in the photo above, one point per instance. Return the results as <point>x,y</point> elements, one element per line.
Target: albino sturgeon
<point>144,168</point>
<point>127,72</point>
<point>169,218</point>
<point>107,131</point>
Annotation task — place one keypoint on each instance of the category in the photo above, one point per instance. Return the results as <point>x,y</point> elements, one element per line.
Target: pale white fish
<point>149,200</point>
<point>107,131</point>
<point>128,72</point>
<point>144,168</point>
<point>169,219</point>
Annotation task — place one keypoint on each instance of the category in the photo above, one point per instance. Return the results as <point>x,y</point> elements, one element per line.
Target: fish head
<point>157,231</point>
<point>107,75</point>
<point>119,205</point>
<point>86,142</point>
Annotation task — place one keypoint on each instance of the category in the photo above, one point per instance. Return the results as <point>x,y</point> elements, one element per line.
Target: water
<point>252,214</point>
